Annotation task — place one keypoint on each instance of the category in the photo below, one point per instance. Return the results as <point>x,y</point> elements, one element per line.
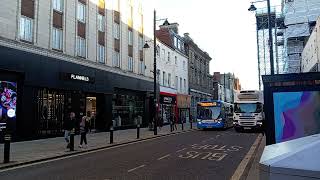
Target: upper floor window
<point>116,31</point>
<point>184,65</point>
<point>81,15</point>
<point>142,68</point>
<point>185,85</point>
<point>175,60</point>
<point>130,64</point>
<point>81,47</point>
<point>163,54</point>
<point>164,79</point>
<point>101,54</point>
<point>181,85</point>
<point>130,37</point>
<point>168,56</point>
<point>57,5</point>
<point>116,59</point>
<point>26,29</point>
<point>140,42</point>
<point>169,80</point>
<point>100,22</point>
<point>57,38</point>
<point>176,82</point>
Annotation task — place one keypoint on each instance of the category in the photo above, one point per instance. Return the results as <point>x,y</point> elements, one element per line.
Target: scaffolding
<point>263,43</point>
<point>300,17</point>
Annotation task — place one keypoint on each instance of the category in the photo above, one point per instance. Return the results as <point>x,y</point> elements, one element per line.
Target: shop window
<point>126,109</point>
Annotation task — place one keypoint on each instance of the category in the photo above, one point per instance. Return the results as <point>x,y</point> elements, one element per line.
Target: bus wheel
<point>237,129</point>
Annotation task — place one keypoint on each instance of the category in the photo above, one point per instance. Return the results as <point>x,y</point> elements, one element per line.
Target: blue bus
<point>214,114</point>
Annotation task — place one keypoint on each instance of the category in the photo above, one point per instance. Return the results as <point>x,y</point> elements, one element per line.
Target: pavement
<point>44,149</point>
<point>194,155</point>
<point>254,170</point>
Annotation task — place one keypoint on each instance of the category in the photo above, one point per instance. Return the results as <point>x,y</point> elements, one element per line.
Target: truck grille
<point>246,117</point>
<point>247,123</point>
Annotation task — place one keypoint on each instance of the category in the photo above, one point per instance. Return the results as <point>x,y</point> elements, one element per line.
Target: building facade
<point>63,56</point>
<point>172,64</point>
<point>200,80</point>
<point>299,18</point>
<point>311,52</point>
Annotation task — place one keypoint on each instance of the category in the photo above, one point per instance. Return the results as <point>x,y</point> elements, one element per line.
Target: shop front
<point>168,105</point>
<point>183,105</point>
<point>39,92</point>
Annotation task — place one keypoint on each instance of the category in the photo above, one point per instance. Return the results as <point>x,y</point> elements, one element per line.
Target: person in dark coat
<point>68,126</point>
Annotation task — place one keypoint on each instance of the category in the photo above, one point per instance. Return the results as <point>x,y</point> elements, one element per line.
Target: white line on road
<point>181,150</point>
<point>164,157</point>
<point>130,170</point>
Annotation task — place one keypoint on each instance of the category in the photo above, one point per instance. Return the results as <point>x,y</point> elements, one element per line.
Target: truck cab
<point>248,110</point>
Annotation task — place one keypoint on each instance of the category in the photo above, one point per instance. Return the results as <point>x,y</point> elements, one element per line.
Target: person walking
<point>69,125</point>
<point>175,122</point>
<point>84,129</point>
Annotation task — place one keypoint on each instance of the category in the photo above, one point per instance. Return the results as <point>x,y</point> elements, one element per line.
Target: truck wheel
<point>237,129</point>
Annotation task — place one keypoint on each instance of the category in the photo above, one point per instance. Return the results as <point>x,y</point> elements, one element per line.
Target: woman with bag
<point>84,129</point>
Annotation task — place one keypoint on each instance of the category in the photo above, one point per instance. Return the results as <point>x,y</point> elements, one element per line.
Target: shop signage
<point>3,126</point>
<point>78,77</point>
<point>167,100</point>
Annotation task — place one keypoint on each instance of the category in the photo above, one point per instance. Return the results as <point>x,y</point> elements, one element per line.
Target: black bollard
<point>72,140</point>
<point>138,131</point>
<point>111,134</point>
<point>182,125</point>
<point>191,124</point>
<point>7,140</point>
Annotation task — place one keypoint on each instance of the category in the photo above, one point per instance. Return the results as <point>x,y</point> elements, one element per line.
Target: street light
<point>154,70</point>
<point>253,8</point>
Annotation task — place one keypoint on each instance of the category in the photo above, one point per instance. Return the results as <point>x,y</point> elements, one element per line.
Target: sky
<point>223,28</point>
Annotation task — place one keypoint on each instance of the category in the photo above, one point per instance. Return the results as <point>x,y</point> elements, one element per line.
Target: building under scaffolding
<point>299,18</point>
<point>263,42</point>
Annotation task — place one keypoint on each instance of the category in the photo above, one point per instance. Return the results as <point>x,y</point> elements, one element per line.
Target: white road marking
<point>130,170</point>
<point>164,157</point>
<point>181,150</point>
<point>90,152</point>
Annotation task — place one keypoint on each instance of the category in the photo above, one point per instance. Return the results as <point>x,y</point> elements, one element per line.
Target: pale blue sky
<point>223,28</point>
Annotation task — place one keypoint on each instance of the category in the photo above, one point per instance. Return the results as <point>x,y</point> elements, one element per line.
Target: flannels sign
<point>77,77</point>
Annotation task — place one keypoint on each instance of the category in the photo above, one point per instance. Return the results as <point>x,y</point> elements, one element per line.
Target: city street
<point>192,155</point>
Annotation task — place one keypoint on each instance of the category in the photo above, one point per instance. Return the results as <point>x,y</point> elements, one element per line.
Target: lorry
<point>248,110</point>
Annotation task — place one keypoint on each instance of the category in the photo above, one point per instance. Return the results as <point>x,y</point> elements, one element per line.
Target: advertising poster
<point>8,103</point>
<point>296,114</point>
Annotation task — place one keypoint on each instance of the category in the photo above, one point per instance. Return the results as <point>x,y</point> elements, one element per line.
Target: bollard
<point>111,134</point>
<point>190,124</point>
<point>72,140</point>
<point>138,131</point>
<point>7,140</point>
<point>171,127</point>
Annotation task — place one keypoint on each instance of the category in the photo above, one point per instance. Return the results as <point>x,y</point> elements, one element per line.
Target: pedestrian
<point>69,125</point>
<point>175,119</point>
<point>84,128</point>
<point>171,123</point>
<point>160,122</point>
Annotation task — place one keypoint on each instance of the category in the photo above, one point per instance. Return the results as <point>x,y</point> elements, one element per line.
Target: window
<point>81,47</point>
<point>175,41</point>
<point>180,84</point>
<point>141,67</point>
<point>116,59</point>
<point>57,39</point>
<point>175,60</point>
<point>140,43</point>
<point>184,65</point>
<point>164,79</point>
<point>168,56</point>
<point>169,80</point>
<point>176,83</point>
<point>185,85</point>
<point>81,12</point>
<point>130,37</point>
<point>116,31</point>
<point>57,5</point>
<point>130,64</point>
<point>100,22</point>
<point>101,54</point>
<point>26,29</point>
<point>163,54</point>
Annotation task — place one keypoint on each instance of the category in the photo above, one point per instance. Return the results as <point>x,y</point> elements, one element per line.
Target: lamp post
<point>253,8</point>
<point>154,71</point>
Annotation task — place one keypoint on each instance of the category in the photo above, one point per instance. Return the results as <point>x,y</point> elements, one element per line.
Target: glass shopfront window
<point>126,108</point>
